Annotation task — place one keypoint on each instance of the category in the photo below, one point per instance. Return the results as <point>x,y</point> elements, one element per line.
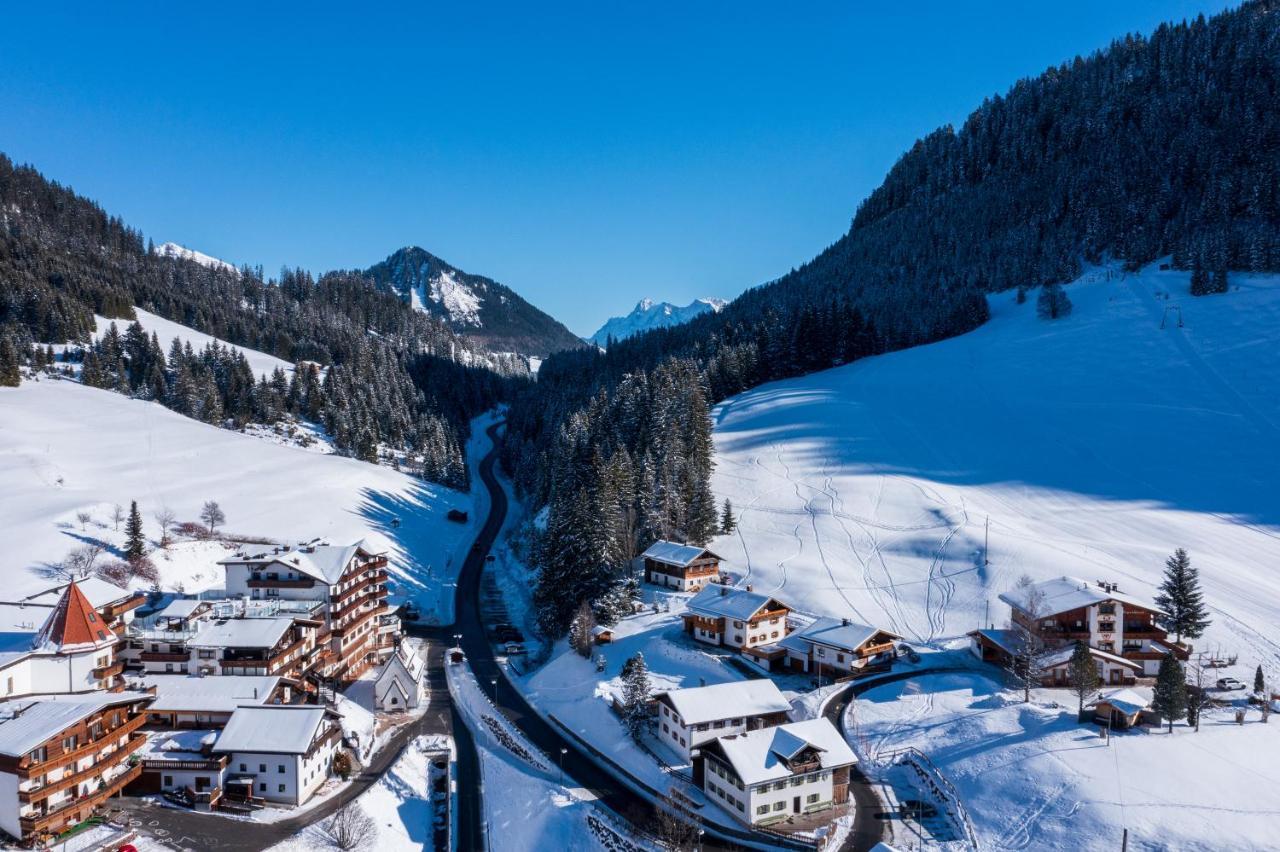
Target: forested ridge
<point>1154,146</point>
<point>393,377</point>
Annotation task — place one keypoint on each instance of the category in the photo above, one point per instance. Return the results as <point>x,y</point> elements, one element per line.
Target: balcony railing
<point>260,582</point>
<point>135,742</point>
<point>44,821</point>
<point>164,656</point>
<point>108,671</point>
<point>25,772</point>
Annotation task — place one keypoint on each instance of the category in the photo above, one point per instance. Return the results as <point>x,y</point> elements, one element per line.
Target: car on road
<point>514,649</point>
<point>1229,683</point>
<point>917,809</point>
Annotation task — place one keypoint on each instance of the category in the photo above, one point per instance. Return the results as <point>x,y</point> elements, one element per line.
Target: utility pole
<point>986,543</point>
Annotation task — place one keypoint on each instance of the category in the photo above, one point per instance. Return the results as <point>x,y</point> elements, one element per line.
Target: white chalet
<point>835,647</point>
<point>688,718</point>
<point>191,701</point>
<point>281,753</point>
<point>767,775</point>
<point>738,618</point>
<point>685,567</point>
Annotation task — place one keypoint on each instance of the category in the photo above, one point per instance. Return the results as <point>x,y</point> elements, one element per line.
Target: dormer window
<point>93,616</point>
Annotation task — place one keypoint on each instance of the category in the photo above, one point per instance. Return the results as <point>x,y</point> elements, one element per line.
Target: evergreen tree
<point>135,541</point>
<point>581,636</point>
<point>635,695</point>
<point>1082,672</point>
<point>9,373</point>
<point>1180,601</point>
<point>1052,302</point>
<point>1169,698</point>
<point>1259,682</point>
<point>727,522</point>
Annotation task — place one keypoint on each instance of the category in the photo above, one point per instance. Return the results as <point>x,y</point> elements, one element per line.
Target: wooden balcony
<point>164,657</point>
<point>135,742</point>
<point>57,817</point>
<point>129,727</point>
<point>109,671</point>
<point>211,765</point>
<point>872,650</point>
<point>111,611</point>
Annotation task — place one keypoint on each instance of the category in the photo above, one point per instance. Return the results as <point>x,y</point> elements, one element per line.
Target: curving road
<point>493,680</point>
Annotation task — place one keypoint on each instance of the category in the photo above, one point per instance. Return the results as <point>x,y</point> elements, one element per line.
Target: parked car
<point>905,650</point>
<point>457,516</point>
<point>1229,683</point>
<point>514,648</point>
<point>916,809</point>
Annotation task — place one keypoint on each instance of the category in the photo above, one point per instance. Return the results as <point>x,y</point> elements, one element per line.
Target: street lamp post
<point>563,752</point>
<point>494,683</point>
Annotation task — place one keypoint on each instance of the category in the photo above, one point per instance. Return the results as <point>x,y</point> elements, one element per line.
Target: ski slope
<point>66,449</point>
<point>1095,445</point>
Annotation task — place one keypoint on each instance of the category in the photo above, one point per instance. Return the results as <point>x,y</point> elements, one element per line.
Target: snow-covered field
<point>1095,445</point>
<point>1032,778</point>
<point>66,449</point>
<point>261,363</point>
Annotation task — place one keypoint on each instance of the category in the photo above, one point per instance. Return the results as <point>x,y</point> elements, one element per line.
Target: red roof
<point>73,625</point>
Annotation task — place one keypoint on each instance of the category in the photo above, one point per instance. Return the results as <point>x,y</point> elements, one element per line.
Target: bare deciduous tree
<point>677,824</point>
<point>117,515</point>
<point>79,562</point>
<point>164,517</point>
<point>1028,637</point>
<point>83,518</point>
<point>212,515</point>
<point>352,828</point>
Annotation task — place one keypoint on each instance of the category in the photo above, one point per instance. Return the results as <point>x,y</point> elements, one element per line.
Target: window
<point>735,721</point>
<point>262,767</point>
<point>779,785</point>
<point>797,781</point>
<point>737,624</point>
<point>763,788</point>
<point>839,658</point>
<point>281,788</point>
<point>821,652</point>
<point>811,798</point>
<point>207,653</point>
<point>70,743</point>
<point>763,809</point>
<point>777,806</point>
<point>665,729</point>
<point>242,767</point>
<point>741,807</point>
<point>168,780</point>
<point>280,769</point>
<point>717,724</point>
<point>168,667</point>
<point>262,788</point>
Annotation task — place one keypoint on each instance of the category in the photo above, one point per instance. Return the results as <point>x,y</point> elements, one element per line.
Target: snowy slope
<point>66,448</point>
<point>1095,444</point>
<point>184,253</point>
<point>649,314</point>
<point>261,363</point>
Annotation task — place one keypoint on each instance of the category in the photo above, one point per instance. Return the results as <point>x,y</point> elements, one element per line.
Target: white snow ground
<point>1032,778</point>
<point>175,250</point>
<point>1095,444</point>
<point>65,448</point>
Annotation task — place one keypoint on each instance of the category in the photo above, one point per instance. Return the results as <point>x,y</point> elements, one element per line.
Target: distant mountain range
<point>476,307</point>
<point>648,315</point>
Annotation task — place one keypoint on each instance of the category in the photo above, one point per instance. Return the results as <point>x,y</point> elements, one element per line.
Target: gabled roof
<point>673,553</point>
<point>182,608</point>
<point>719,601</point>
<point>1124,700</point>
<point>26,723</point>
<point>407,660</point>
<point>1062,655</point>
<point>836,633</point>
<point>221,694</point>
<point>242,633</point>
<point>73,625</point>
<point>701,704</point>
<point>762,755</point>
<point>275,729</point>
<point>99,592</point>
<point>323,562</point>
<point>1063,594</point>
<point>1007,640</point>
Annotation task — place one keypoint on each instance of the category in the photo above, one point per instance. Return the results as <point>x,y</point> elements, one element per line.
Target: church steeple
<point>73,626</point>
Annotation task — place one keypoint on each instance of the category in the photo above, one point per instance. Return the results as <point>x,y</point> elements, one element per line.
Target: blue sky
<point>585,154</point>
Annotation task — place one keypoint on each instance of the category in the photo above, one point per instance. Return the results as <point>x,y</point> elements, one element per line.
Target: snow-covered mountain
<point>184,253</point>
<point>649,314</point>
<point>473,306</point>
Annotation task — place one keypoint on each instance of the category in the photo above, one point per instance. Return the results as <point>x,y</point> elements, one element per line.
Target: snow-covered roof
<point>178,745</point>
<point>600,630</point>
<point>242,633</point>
<point>762,755</point>
<point>1061,655</point>
<point>719,601</point>
<point>181,608</point>
<point>701,704</point>
<point>841,634</point>
<point>221,694</point>
<point>1124,700</point>
<point>1063,594</point>
<point>26,723</point>
<point>73,626</point>
<point>674,553</point>
<point>1009,641</point>
<point>324,562</point>
<point>283,729</point>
